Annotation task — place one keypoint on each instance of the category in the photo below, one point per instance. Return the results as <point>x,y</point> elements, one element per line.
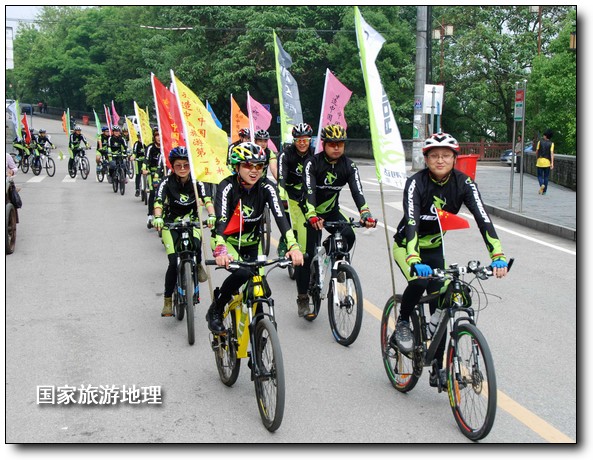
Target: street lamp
<point>444,30</point>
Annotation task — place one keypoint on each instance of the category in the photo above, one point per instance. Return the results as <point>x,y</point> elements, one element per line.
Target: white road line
<point>69,179</point>
<point>36,178</point>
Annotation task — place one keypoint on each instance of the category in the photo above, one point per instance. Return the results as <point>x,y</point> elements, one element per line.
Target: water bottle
<point>322,263</point>
<point>434,321</point>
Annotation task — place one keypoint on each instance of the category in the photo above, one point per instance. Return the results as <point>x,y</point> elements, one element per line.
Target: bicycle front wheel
<point>25,164</point>
<point>130,169</point>
<point>85,167</point>
<point>267,231</point>
<point>344,302</point>
<point>269,375</point>
<point>36,166</point>
<point>188,288</point>
<point>122,182</point>
<point>50,167</point>
<point>399,366</point>
<point>314,291</point>
<point>225,350</point>
<point>115,181</point>
<point>471,382</point>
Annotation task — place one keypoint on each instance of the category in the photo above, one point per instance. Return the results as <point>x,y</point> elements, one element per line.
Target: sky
<point>19,12</point>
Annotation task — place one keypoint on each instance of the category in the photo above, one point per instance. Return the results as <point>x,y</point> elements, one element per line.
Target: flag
<point>214,117</point>
<point>207,144</point>
<point>449,221</point>
<point>235,224</point>
<point>98,123</point>
<point>388,150</point>
<point>132,132</point>
<point>238,120</point>
<point>115,115</point>
<point>335,98</point>
<point>168,116</point>
<point>12,111</point>
<point>26,126</point>
<point>259,118</point>
<point>108,118</point>
<point>66,122</point>
<point>288,93</point>
<point>145,131</point>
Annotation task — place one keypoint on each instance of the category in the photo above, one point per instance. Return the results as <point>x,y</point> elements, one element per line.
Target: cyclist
<point>74,145</point>
<point>242,197</point>
<point>116,147</point>
<point>175,200</point>
<point>261,138</point>
<point>43,139</point>
<point>324,177</point>
<point>418,241</point>
<point>138,153</point>
<point>23,148</point>
<point>152,168</point>
<point>102,146</point>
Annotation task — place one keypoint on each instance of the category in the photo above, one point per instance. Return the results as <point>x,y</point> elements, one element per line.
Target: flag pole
<point>389,256</point>
<point>317,149</point>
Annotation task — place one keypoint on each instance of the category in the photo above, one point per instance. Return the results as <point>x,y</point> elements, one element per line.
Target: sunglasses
<point>256,166</point>
<point>181,165</point>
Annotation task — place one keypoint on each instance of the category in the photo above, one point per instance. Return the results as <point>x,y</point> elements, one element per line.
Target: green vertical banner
<point>288,93</point>
<point>98,123</point>
<point>388,150</point>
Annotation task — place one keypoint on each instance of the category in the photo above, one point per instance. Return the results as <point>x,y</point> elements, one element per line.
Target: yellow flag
<point>145,131</point>
<point>132,132</point>
<point>207,144</point>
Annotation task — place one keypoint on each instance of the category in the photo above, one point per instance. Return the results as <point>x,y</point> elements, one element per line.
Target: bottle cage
<point>256,288</point>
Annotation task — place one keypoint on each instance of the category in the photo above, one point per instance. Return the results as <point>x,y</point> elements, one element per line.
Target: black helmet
<point>261,134</point>
<point>333,133</point>
<point>302,129</point>
<point>178,153</point>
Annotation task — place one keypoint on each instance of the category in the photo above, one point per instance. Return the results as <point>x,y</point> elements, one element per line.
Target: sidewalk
<point>554,213</point>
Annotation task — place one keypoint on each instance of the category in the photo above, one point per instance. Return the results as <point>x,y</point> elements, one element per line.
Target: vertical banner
<point>115,116</point>
<point>145,131</point>
<point>12,111</point>
<point>66,122</point>
<point>97,123</point>
<point>335,98</point>
<point>388,149</point>
<point>259,118</point>
<point>238,120</point>
<point>214,117</point>
<point>288,93</point>
<point>206,143</point>
<point>132,132</point>
<point>107,117</point>
<point>168,116</point>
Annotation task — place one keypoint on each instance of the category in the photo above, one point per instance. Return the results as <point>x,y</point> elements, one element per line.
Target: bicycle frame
<point>186,252</point>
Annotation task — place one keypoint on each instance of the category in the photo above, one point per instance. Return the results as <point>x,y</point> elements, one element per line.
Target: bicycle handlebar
<point>338,223</point>
<point>183,224</point>
<point>473,266</point>
<point>282,262</point>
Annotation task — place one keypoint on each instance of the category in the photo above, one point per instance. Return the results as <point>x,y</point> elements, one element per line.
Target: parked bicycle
<point>334,279</point>
<point>119,176</point>
<point>250,332</point>
<point>81,163</point>
<point>42,160</point>
<point>469,367</point>
<point>187,292</point>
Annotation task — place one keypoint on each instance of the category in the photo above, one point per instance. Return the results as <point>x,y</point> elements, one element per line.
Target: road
<point>83,299</point>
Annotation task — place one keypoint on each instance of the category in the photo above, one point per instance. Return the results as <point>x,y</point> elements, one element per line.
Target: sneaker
<point>137,192</point>
<point>541,189</point>
<point>403,336</point>
<point>167,307</point>
<point>438,380</point>
<point>303,305</point>
<point>149,222</point>
<point>202,275</point>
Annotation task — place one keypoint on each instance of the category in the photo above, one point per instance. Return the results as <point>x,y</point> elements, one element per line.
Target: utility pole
<point>419,135</point>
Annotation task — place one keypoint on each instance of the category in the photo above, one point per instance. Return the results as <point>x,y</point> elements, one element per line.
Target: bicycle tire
<point>314,291</point>
<point>178,305</point>
<point>122,181</point>
<point>25,164</point>
<point>72,170</point>
<point>270,388</point>
<point>399,366</point>
<point>266,230</point>
<point>115,181</point>
<point>188,289</point>
<point>473,395</point>
<point>100,174</point>
<point>345,306</point>
<point>291,272</point>
<point>36,166</point>
<point>130,169</point>
<point>11,222</point>
<point>225,350</point>
<point>85,167</point>
<point>50,166</point>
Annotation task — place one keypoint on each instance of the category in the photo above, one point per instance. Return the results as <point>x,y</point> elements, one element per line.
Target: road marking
<point>36,178</point>
<point>69,179</point>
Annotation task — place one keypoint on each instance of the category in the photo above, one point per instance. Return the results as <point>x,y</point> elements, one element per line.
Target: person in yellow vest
<point>544,160</point>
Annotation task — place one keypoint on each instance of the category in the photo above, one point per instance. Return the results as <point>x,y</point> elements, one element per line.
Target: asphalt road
<point>83,299</point>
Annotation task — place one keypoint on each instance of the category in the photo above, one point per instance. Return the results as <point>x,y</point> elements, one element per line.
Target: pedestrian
<point>518,152</point>
<point>40,106</point>
<point>44,107</point>
<point>544,162</point>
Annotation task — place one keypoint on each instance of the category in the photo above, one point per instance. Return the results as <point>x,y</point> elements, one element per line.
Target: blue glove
<point>422,270</point>
<point>499,264</point>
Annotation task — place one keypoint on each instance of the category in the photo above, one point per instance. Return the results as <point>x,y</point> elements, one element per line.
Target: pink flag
<point>335,98</point>
<point>115,115</point>
<point>259,118</point>
<point>108,118</point>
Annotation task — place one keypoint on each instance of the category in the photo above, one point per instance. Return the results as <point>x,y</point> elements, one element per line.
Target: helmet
<point>178,153</point>
<point>116,129</point>
<point>441,140</point>
<point>333,133</point>
<point>302,129</point>
<point>32,131</point>
<point>247,152</point>
<point>124,128</point>
<point>104,128</point>
<point>77,128</point>
<point>262,134</point>
<point>244,132</point>
<point>42,131</point>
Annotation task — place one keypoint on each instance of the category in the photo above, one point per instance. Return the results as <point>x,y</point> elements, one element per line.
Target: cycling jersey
<point>419,228</point>
<point>290,171</point>
<point>178,199</point>
<point>231,193</point>
<point>102,143</point>
<point>324,181</point>
<point>117,146</point>
<point>76,140</point>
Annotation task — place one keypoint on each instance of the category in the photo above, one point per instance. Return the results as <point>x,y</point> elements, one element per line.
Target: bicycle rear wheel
<point>269,376</point>
<point>188,289</point>
<point>345,305</point>
<point>72,170</point>
<point>225,350</point>
<point>472,391</point>
<point>115,181</point>
<point>399,366</point>
<point>314,291</point>
<point>122,181</point>
<point>50,167</point>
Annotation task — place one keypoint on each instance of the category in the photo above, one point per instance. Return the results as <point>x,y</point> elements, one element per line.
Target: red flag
<point>235,225</point>
<point>27,132</point>
<point>449,221</point>
<point>170,123</point>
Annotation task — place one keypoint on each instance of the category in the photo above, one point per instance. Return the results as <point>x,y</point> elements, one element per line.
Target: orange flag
<point>235,224</point>
<point>449,221</point>
<point>238,120</point>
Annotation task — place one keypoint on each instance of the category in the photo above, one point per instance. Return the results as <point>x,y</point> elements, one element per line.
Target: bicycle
<point>119,176</point>
<point>81,163</point>
<point>43,160</point>
<point>469,367</point>
<point>258,341</point>
<point>102,169</point>
<point>187,292</point>
<point>129,166</point>
<point>333,277</point>
<point>22,156</point>
<point>266,229</point>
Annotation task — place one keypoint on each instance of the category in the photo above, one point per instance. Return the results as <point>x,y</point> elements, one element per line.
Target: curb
<point>537,224</point>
